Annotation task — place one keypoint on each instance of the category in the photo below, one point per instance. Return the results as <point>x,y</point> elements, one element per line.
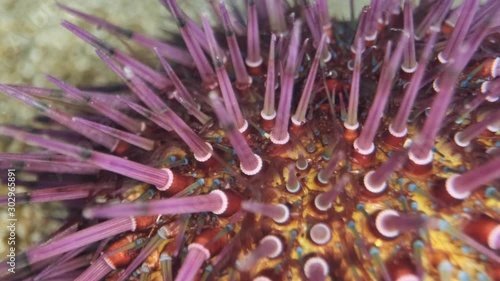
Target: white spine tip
<point>421,161</point>
<point>252,171</point>
<point>370,186</point>
<point>286,214</point>
<point>170,180</point>
<point>224,201</point>
<point>459,141</point>
<point>204,158</point>
<point>320,234</point>
<point>451,189</point>
<point>313,263</point>
<point>379,223</point>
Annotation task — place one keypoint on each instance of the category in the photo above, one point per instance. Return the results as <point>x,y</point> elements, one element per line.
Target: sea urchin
<point>279,145</point>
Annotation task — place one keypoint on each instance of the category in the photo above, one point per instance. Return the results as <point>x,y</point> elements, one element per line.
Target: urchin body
<point>279,147</point>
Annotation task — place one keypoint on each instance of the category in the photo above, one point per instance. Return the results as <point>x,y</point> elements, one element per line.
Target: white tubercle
<point>271,239</point>
<point>368,151</point>
<point>286,214</point>
<point>267,117</point>
<point>451,189</point>
<point>169,182</point>
<point>435,86</point>
<point>409,69</point>
<point>398,134</point>
<point>224,200</point>
<point>244,127</point>
<point>441,58</point>
<point>460,142</point>
<point>494,67</point>
<point>201,248</point>
<point>295,121</point>
<point>109,263</point>
<point>494,128</point>
<point>370,186</point>
<point>261,278</point>
<point>253,63</point>
<point>494,238</point>
<point>320,234</point>
<point>328,57</point>
<point>379,223</point>
<point>371,37</point>
<point>351,127</point>
<point>204,158</point>
<point>424,161</point>
<point>251,172</point>
<point>320,206</point>
<point>315,262</point>
<point>280,141</point>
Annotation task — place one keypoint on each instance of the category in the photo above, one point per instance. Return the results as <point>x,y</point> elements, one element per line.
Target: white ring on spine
<point>201,248</point>
<point>169,181</point>
<point>379,224</point>
<point>224,204</point>
<point>450,188</point>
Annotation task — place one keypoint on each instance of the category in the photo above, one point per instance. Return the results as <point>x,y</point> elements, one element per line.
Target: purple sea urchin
<point>378,172</point>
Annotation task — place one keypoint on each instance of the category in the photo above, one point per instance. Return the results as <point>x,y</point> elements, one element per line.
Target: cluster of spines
<point>201,42</point>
